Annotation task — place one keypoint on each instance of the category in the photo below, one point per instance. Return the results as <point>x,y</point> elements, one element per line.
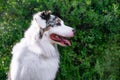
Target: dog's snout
<point>74,31</point>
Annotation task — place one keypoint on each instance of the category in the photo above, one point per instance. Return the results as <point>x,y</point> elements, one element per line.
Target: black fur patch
<point>46,15</point>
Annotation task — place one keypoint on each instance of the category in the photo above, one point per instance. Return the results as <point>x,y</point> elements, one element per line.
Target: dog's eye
<point>58,23</point>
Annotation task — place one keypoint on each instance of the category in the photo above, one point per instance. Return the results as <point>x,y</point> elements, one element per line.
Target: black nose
<point>74,31</point>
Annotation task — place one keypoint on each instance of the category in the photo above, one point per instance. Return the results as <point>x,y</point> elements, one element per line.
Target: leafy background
<point>95,50</point>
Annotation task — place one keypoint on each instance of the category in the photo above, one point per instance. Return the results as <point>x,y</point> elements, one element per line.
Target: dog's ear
<point>41,18</point>
<point>45,15</point>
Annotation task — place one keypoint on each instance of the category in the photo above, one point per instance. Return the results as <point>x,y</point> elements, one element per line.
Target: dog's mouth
<point>64,41</point>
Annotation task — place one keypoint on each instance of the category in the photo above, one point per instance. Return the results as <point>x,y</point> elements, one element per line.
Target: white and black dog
<point>36,56</point>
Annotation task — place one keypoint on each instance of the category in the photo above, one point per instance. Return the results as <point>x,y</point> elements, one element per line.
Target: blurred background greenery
<point>95,50</point>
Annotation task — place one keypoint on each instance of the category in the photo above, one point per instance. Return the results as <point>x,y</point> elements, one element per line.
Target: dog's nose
<point>74,31</point>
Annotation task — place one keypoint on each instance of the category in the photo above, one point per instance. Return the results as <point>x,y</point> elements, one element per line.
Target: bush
<point>95,50</point>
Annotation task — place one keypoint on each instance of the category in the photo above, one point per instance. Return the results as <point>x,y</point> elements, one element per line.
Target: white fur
<point>35,58</point>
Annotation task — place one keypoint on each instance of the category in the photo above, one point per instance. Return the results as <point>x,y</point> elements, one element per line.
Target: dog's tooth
<point>56,36</point>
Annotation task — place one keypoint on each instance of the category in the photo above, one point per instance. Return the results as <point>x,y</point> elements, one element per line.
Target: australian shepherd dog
<point>36,56</point>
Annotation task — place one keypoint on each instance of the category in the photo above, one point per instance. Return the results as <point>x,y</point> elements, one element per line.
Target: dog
<point>36,56</point>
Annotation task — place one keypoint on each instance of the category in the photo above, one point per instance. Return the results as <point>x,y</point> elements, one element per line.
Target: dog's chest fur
<point>27,65</point>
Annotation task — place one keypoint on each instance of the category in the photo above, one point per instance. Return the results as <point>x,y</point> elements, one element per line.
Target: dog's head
<point>53,28</point>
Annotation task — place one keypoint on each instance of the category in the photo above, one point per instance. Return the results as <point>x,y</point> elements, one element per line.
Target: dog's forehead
<point>53,17</point>
<point>53,21</point>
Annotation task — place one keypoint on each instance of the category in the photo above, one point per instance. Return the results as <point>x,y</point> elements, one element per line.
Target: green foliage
<point>95,50</point>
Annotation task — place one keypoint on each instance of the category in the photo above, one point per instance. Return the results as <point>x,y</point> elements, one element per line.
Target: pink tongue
<point>62,40</point>
<point>67,42</point>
